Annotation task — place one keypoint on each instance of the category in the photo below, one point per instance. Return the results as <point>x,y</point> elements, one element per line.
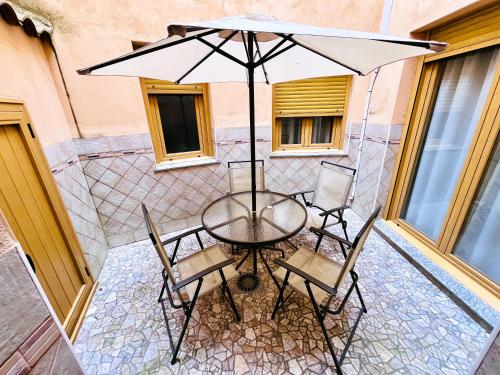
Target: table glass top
<point>277,218</point>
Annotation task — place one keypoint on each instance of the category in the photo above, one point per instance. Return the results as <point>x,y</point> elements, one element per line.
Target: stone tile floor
<point>411,326</point>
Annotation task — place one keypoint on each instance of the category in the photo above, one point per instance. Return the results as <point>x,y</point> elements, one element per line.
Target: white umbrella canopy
<point>283,51</point>
<point>259,48</point>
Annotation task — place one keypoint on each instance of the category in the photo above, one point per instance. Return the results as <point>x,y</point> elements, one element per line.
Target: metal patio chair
<point>240,176</point>
<point>329,200</point>
<point>200,273</point>
<point>318,278</point>
<point>240,179</point>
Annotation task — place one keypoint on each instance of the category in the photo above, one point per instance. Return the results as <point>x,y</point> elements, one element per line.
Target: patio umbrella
<point>258,48</point>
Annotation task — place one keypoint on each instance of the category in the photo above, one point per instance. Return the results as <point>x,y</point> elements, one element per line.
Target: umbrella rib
<point>283,40</point>
<point>245,44</point>
<point>223,53</point>
<point>327,57</point>
<point>206,57</point>
<point>264,60</point>
<point>141,52</point>
<point>260,56</point>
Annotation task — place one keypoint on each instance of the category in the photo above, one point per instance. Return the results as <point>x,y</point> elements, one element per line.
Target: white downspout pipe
<point>384,28</point>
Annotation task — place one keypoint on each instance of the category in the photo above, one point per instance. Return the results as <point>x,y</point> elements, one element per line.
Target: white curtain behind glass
<point>479,241</point>
<point>462,91</point>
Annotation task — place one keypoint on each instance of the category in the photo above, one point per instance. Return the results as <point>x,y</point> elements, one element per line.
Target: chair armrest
<point>303,194</point>
<point>300,192</point>
<point>182,235</point>
<point>328,212</point>
<point>200,274</point>
<point>331,235</point>
<point>306,276</point>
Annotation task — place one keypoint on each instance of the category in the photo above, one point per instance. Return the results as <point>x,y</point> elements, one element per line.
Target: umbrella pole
<point>251,99</point>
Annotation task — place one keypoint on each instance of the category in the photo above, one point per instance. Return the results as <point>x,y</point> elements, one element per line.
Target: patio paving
<point>411,326</point>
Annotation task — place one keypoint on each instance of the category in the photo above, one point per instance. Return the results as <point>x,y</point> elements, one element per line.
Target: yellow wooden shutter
<point>156,86</point>
<point>323,96</point>
<point>479,27</point>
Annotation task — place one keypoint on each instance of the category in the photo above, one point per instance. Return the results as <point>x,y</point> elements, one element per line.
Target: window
<point>310,113</point>
<point>445,191</point>
<point>462,85</point>
<point>179,119</point>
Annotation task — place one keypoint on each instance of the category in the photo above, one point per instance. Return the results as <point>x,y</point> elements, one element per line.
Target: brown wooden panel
<point>28,211</point>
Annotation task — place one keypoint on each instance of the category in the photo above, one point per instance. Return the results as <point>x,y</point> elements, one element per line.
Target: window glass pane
<point>322,129</point>
<point>291,130</point>
<point>178,119</point>
<point>464,84</point>
<point>479,240</point>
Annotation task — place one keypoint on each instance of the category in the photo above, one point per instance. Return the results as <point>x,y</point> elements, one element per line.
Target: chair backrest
<point>334,185</point>
<point>240,175</point>
<point>160,250</point>
<point>357,247</point>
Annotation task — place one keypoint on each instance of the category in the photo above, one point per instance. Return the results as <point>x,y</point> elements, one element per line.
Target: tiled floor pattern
<point>411,326</point>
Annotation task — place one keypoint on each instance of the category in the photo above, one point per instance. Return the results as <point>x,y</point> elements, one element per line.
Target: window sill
<point>306,153</point>
<point>461,287</point>
<point>185,163</point>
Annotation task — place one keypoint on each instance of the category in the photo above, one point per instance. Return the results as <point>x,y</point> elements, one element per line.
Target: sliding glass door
<point>462,86</point>
<point>446,192</point>
<point>479,240</point>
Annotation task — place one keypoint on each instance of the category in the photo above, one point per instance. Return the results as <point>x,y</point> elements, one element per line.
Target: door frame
<point>481,34</point>
<point>14,112</point>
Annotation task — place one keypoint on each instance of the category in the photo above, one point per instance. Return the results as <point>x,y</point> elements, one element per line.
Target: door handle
<point>30,261</point>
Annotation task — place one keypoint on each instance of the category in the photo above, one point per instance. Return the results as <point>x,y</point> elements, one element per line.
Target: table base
<point>248,282</point>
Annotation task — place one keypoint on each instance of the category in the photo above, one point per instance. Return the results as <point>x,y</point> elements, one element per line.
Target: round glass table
<point>230,219</point>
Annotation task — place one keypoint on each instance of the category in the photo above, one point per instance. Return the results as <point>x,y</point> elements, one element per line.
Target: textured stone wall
<point>30,339</point>
<point>119,174</point>
<point>68,174</point>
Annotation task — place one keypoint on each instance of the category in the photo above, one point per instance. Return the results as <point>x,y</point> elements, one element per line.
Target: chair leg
<point>268,268</point>
<point>320,318</point>
<point>188,310</point>
<point>161,293</point>
<point>343,223</point>
<point>227,293</point>
<point>243,260</point>
<point>292,244</point>
<point>279,301</point>
<point>362,310</point>
<point>320,238</point>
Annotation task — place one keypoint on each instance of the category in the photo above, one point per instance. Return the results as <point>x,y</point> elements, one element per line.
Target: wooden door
<point>31,204</point>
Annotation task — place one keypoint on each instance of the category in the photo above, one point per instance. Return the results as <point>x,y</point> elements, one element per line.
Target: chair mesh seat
<point>314,264</point>
<point>200,261</point>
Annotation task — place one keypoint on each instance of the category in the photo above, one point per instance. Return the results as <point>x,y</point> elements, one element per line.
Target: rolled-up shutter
<point>323,96</point>
<point>155,86</point>
<point>476,28</point>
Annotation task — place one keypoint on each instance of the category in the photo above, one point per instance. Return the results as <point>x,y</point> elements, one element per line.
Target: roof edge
<point>32,24</point>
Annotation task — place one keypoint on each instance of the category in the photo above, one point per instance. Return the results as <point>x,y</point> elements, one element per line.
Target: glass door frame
<point>420,109</point>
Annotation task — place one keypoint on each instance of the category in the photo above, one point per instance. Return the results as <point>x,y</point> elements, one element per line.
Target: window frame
<point>150,91</point>
<point>306,135</point>
<point>338,126</point>
<point>424,90</point>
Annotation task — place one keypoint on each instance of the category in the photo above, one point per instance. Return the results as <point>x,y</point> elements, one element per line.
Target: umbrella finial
<point>176,30</point>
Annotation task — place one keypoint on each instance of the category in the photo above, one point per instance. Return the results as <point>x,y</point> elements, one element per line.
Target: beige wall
<point>92,31</point>
<point>27,68</point>
<point>89,32</point>
<point>393,86</point>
